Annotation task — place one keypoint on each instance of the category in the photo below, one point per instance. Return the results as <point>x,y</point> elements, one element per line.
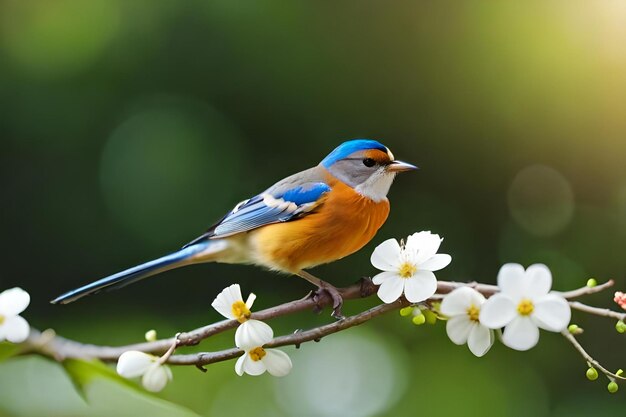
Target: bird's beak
<point>399,166</point>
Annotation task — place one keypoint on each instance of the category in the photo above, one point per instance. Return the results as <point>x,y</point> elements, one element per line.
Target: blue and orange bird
<point>310,218</point>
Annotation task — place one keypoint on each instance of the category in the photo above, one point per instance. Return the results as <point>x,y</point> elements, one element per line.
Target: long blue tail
<point>186,256</point>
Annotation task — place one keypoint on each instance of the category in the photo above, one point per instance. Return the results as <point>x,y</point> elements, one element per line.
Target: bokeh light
<point>167,149</point>
<point>47,39</point>
<point>350,375</point>
<point>541,200</point>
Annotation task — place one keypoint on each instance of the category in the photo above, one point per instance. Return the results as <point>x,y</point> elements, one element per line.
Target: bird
<point>310,218</point>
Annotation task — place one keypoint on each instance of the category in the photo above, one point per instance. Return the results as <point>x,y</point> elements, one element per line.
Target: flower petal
<point>251,367</point>
<point>480,340</point>
<point>458,329</point>
<point>420,286</point>
<point>459,300</point>
<point>277,362</point>
<point>13,301</point>
<point>223,303</point>
<point>391,289</point>
<point>521,334</point>
<point>552,313</point>
<point>424,244</point>
<point>134,363</point>
<point>497,311</point>
<point>538,279</point>
<point>386,256</point>
<point>240,363</point>
<point>511,280</point>
<point>15,329</point>
<point>156,377</point>
<point>436,262</point>
<point>253,333</point>
<point>250,300</point>
<point>383,276</point>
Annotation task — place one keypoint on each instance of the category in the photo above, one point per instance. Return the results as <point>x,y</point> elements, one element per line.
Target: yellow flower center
<point>1,319</point>
<point>473,312</point>
<point>257,353</point>
<point>525,307</point>
<point>240,311</point>
<point>407,270</point>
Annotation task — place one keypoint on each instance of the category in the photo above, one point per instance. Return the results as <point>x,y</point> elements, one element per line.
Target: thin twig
<point>570,337</point>
<point>586,290</point>
<point>603,312</point>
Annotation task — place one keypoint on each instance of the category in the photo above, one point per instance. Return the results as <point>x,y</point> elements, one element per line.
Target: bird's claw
<point>334,295</point>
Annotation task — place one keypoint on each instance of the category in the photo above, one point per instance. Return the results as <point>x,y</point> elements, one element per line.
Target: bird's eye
<point>369,162</point>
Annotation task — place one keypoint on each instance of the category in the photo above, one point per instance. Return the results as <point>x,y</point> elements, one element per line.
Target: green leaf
<point>36,386</point>
<point>8,349</point>
<point>84,372</point>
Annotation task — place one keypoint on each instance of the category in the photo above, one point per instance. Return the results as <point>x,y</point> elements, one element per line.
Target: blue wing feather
<point>268,208</point>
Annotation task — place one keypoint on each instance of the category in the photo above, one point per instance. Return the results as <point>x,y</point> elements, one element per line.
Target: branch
<point>60,348</point>
<point>590,361</point>
<point>296,338</point>
<point>603,312</point>
<point>49,344</point>
<point>586,290</point>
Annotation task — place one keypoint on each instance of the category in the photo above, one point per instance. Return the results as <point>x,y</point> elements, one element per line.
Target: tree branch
<point>296,338</point>
<point>49,344</point>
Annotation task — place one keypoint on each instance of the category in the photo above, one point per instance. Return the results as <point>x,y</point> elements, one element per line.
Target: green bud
<point>419,320</point>
<point>151,335</point>
<point>592,374</point>
<point>591,282</point>
<point>406,311</point>
<point>620,326</point>
<point>436,306</point>
<point>572,328</point>
<point>431,318</point>
<point>619,372</point>
<point>612,387</point>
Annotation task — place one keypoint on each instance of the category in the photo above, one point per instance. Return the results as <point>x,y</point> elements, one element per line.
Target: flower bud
<point>419,319</point>
<point>574,329</point>
<point>406,311</point>
<point>592,282</point>
<point>592,374</point>
<point>612,387</point>
<point>151,335</point>
<point>431,318</point>
<point>620,326</point>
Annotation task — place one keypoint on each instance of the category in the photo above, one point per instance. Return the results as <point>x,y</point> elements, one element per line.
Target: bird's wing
<point>288,199</point>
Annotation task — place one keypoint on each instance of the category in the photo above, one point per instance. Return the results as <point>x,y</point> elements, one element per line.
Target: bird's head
<point>366,165</point>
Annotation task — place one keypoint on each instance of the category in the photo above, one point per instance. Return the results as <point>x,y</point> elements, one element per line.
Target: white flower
<point>524,305</point>
<point>154,374</point>
<point>13,327</point>
<point>408,267</point>
<point>256,359</point>
<point>229,303</point>
<point>462,306</point>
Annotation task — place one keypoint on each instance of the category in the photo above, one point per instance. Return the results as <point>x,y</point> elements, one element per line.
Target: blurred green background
<point>128,127</point>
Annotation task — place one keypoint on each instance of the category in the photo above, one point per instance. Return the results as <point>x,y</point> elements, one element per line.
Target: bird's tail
<point>203,251</point>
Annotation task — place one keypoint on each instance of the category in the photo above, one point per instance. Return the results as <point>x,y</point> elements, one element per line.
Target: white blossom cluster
<point>522,307</point>
<point>250,337</point>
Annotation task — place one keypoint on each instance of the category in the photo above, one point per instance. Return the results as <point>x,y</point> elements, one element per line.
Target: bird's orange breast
<point>344,222</point>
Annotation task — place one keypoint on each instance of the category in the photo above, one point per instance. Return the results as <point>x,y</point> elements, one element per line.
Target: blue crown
<point>350,147</point>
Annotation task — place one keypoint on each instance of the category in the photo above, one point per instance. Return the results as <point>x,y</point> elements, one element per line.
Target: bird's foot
<point>327,290</point>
